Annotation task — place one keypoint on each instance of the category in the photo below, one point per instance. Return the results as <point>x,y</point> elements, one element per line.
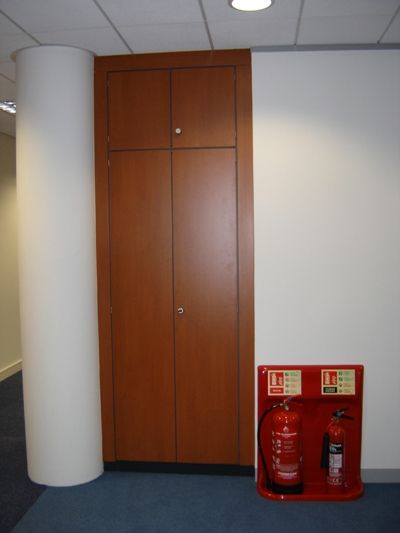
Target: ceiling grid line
<point>203,13</point>
<point>112,25</point>
<point>7,78</point>
<point>325,47</point>
<point>389,24</point>
<point>20,27</point>
<point>296,37</point>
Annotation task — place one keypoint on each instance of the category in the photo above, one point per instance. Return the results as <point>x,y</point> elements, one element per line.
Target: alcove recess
<point>174,208</point>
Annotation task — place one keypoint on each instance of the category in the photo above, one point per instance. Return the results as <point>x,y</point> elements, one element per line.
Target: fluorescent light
<point>250,5</point>
<point>8,106</point>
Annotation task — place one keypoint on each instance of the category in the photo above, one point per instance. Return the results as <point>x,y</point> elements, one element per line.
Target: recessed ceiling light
<point>250,5</point>
<point>8,106</point>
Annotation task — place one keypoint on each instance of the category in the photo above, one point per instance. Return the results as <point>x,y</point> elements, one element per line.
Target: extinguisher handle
<point>296,399</point>
<point>339,413</point>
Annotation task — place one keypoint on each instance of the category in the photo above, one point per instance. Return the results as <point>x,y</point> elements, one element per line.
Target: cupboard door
<point>142,305</point>
<point>203,107</point>
<point>205,273</point>
<point>139,109</point>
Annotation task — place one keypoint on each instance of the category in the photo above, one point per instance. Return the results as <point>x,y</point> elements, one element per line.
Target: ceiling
<point>109,27</point>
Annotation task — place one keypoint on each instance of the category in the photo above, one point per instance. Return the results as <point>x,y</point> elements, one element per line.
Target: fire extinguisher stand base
<point>312,492</point>
<point>314,393</point>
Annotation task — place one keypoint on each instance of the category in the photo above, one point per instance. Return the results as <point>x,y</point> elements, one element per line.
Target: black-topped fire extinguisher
<point>286,449</point>
<point>333,451</point>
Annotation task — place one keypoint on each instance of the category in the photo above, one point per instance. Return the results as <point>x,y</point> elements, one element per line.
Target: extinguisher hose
<point>259,444</point>
<point>325,451</point>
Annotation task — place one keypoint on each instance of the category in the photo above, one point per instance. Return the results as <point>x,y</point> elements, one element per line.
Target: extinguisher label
<point>286,458</point>
<point>284,382</point>
<point>335,475</point>
<point>338,382</point>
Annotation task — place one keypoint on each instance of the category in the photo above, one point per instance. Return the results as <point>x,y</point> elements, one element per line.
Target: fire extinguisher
<point>333,451</point>
<point>286,449</point>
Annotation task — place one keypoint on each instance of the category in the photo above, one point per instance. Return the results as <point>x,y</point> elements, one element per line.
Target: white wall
<point>327,223</point>
<point>10,349</point>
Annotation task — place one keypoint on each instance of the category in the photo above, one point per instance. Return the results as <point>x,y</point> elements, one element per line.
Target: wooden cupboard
<point>174,243</point>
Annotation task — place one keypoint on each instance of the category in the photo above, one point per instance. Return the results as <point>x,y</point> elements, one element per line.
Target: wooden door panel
<point>205,271</point>
<point>139,109</point>
<point>203,107</point>
<point>142,305</point>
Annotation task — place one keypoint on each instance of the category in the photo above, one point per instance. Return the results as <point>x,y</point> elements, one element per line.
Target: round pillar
<point>57,264</point>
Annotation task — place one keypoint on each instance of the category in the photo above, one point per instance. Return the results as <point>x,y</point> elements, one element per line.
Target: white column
<point>57,264</point>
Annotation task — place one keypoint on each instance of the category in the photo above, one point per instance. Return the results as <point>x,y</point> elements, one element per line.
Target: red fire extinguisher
<point>333,451</point>
<point>286,449</point>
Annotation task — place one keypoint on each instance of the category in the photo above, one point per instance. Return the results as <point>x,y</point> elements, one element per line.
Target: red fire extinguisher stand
<point>309,432</point>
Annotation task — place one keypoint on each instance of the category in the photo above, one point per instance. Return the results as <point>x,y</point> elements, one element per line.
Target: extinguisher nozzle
<point>325,451</point>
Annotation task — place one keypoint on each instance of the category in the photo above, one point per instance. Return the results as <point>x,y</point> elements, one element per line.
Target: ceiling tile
<point>134,12</point>
<point>6,26</point>
<point>11,43</point>
<point>350,29</point>
<point>344,8</point>
<point>7,68</point>
<point>166,37</point>
<point>220,10</point>
<point>393,33</point>
<point>101,41</point>
<point>7,89</point>
<point>46,15</point>
<point>245,34</point>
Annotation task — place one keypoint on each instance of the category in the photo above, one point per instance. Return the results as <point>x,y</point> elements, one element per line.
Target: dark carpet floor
<point>17,492</point>
<point>125,502</point>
